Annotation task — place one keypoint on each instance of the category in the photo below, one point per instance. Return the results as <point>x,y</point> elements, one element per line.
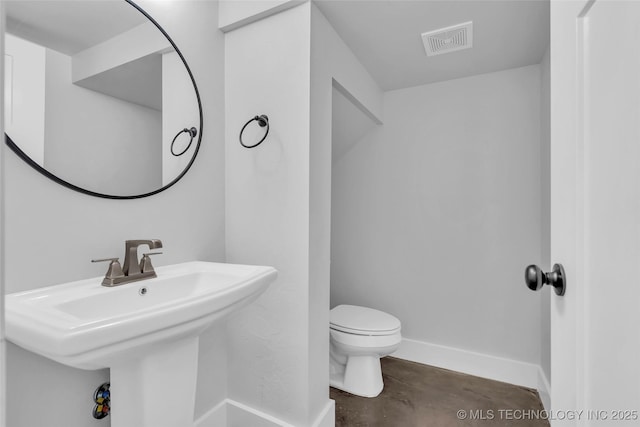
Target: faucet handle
<point>105,259</point>
<point>115,269</point>
<point>145,262</point>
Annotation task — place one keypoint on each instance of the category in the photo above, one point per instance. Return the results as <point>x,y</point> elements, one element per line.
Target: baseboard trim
<point>469,362</point>
<point>243,415</point>
<point>544,389</point>
<point>214,417</point>
<point>230,412</point>
<point>327,417</point>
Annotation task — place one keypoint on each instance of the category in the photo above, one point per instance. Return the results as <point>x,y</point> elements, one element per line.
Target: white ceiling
<point>385,36</point>
<point>70,26</point>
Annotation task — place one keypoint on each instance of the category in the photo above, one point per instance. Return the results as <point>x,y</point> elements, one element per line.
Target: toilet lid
<point>363,321</point>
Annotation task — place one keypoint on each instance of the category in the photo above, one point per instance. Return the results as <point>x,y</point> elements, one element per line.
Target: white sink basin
<point>84,324</point>
<point>135,329</point>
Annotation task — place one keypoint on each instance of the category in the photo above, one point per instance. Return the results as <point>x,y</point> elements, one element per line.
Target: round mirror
<point>98,97</point>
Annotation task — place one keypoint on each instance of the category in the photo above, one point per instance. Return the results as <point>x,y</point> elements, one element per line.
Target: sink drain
<point>142,290</point>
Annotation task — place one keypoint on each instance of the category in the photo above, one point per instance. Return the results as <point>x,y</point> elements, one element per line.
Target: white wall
<point>267,211</point>
<point>25,101</point>
<point>278,205</point>
<point>179,111</point>
<point>332,65</point>
<point>127,66</point>
<point>96,141</point>
<point>348,125</point>
<point>52,233</point>
<point>436,213</point>
<point>126,47</point>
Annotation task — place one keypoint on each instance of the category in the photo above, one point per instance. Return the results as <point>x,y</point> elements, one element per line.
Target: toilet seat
<point>356,320</point>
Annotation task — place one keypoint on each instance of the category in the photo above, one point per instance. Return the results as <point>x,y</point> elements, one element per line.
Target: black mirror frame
<point>12,145</point>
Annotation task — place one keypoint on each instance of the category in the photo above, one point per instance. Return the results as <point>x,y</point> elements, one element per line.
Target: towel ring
<point>263,121</point>
<point>193,132</point>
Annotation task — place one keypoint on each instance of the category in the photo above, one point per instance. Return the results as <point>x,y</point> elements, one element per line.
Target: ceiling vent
<point>450,39</point>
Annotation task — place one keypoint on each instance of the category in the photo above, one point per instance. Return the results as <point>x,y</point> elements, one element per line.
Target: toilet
<point>359,337</point>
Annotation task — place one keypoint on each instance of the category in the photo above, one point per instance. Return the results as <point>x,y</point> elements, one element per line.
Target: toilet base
<point>361,376</point>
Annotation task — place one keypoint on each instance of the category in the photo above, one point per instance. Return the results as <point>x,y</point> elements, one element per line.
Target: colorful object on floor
<point>102,398</point>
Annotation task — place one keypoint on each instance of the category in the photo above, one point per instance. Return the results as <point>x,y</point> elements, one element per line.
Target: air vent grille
<point>450,39</point>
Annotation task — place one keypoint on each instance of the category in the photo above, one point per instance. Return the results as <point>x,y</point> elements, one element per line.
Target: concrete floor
<point>417,395</point>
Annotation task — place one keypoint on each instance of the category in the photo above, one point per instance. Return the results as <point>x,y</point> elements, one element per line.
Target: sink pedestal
<point>156,389</point>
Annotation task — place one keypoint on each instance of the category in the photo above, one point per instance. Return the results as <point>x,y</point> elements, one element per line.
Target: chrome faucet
<point>133,269</point>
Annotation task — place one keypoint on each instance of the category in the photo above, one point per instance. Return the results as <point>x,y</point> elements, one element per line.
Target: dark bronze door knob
<point>535,278</point>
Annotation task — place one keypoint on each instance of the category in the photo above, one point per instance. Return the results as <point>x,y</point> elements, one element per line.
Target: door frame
<point>568,313</point>
<point>3,343</point>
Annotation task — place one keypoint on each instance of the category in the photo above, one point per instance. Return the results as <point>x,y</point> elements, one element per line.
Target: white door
<point>595,212</point>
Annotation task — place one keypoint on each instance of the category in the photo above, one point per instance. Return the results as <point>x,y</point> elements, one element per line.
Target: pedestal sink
<point>146,332</point>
